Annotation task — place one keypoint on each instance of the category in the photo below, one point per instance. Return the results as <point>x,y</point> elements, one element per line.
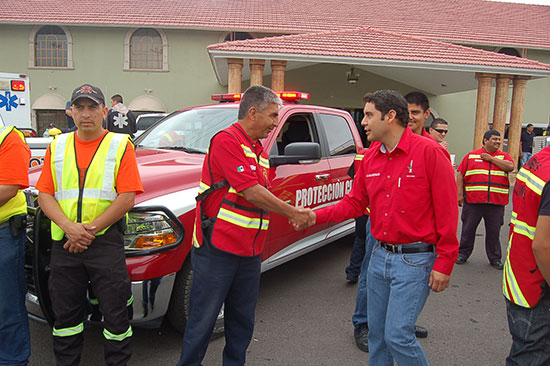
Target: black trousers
<point>493,215</point>
<point>104,265</point>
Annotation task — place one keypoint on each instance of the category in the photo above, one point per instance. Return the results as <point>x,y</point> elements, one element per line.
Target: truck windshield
<point>190,130</point>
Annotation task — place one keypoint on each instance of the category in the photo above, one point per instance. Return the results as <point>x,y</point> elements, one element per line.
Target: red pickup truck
<point>310,151</point>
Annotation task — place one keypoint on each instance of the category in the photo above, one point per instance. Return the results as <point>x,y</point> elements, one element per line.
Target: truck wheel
<point>178,310</point>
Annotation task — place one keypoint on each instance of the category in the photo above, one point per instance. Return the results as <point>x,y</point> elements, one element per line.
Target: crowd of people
<point>405,197</point>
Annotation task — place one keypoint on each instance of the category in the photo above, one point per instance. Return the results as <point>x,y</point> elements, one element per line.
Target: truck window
<point>339,135</point>
<point>297,128</point>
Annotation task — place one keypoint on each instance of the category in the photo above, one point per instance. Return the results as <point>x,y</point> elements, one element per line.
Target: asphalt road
<point>304,313</point>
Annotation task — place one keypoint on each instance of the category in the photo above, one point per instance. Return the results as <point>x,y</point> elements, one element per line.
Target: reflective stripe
<point>484,189</point>
<point>94,301</point>
<point>72,194</point>
<point>110,164</point>
<point>241,220</point>
<point>359,157</point>
<point>60,147</point>
<point>117,337</point>
<point>477,156</point>
<point>531,180</point>
<point>521,227</point>
<point>67,332</point>
<point>476,171</point>
<point>232,190</point>
<point>248,152</point>
<point>203,186</point>
<point>263,162</point>
<point>130,300</point>
<point>510,279</point>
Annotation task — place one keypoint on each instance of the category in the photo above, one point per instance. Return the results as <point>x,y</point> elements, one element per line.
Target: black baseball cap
<point>90,92</point>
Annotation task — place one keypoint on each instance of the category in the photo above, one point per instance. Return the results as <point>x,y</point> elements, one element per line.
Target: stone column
<point>516,115</point>
<point>484,82</point>
<point>256,72</point>
<point>235,70</point>
<point>278,75</point>
<point>501,103</point>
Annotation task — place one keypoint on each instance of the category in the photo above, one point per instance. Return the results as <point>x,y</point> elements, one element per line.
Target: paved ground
<point>304,318</point>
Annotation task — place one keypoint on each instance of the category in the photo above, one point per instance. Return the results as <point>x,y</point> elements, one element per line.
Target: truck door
<point>294,184</point>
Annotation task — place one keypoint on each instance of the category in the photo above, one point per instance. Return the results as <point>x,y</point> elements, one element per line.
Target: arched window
<point>146,49</point>
<point>51,47</point>
<point>509,51</point>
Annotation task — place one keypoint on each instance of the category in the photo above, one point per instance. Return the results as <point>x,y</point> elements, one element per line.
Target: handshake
<point>302,218</point>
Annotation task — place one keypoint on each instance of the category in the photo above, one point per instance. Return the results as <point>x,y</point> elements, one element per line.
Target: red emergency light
<point>17,85</point>
<point>288,96</point>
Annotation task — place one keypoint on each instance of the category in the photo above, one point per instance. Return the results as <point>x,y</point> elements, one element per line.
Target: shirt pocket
<point>411,193</point>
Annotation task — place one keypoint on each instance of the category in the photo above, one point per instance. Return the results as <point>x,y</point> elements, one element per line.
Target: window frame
<point>32,48</point>
<point>326,148</point>
<point>164,40</point>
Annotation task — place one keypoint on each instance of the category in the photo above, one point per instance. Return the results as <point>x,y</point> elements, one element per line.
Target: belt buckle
<point>392,248</point>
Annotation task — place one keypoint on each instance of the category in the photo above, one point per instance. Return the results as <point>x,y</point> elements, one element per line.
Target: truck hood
<point>162,172</point>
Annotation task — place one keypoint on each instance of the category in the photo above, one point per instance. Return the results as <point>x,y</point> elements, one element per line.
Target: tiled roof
<point>461,21</point>
<point>373,44</point>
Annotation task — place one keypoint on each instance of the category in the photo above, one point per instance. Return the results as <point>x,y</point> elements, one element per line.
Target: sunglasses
<point>441,131</point>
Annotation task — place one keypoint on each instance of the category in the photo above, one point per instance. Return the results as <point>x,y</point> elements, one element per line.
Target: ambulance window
<point>297,128</point>
<point>339,135</point>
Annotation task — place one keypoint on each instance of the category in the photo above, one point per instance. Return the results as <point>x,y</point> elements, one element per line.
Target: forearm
<point>262,198</point>
<point>120,206</point>
<point>460,184</point>
<point>7,192</point>
<point>541,246</point>
<point>505,165</point>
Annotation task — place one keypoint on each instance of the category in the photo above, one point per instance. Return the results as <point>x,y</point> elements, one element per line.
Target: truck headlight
<point>150,230</point>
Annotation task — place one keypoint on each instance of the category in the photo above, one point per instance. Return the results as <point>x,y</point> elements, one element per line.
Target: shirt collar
<point>403,144</point>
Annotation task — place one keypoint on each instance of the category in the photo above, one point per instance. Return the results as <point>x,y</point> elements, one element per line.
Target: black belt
<point>405,248</point>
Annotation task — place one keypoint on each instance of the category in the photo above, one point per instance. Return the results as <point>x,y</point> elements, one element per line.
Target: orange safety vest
<point>484,182</point>
<point>522,280</point>
<point>239,227</point>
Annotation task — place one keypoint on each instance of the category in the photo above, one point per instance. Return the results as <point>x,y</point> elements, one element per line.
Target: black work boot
<point>361,333</point>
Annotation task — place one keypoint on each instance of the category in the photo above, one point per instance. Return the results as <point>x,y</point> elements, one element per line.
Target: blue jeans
<point>360,316</point>
<point>15,346</point>
<point>530,329</point>
<point>397,286</point>
<point>358,250</point>
<point>220,277</point>
<point>525,158</point>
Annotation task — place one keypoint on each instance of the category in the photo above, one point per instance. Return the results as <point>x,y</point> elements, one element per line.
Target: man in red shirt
<point>419,112</point>
<point>233,210</point>
<point>88,182</point>
<point>483,189</point>
<point>409,185</point>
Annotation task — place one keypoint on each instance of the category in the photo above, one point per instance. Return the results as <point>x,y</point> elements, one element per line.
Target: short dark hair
<point>529,125</point>
<point>386,100</point>
<point>257,96</point>
<point>487,135</point>
<point>438,121</point>
<point>418,98</point>
<point>117,97</point>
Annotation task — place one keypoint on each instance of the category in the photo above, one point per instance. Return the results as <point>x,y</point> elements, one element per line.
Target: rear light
<point>17,85</point>
<point>288,96</point>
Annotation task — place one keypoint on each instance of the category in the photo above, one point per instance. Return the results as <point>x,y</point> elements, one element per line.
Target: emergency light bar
<point>286,95</point>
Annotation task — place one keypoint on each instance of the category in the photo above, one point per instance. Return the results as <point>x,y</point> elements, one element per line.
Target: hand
<point>79,234</point>
<point>445,144</point>
<point>439,281</point>
<point>303,218</point>
<point>486,156</point>
<point>460,199</point>
<point>73,247</point>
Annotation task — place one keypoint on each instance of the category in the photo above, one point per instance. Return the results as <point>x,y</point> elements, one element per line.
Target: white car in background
<point>146,120</point>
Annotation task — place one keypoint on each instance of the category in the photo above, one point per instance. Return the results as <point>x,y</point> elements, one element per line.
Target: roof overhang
<point>432,77</point>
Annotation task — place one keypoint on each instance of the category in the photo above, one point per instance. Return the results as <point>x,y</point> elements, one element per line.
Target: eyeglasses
<point>441,131</point>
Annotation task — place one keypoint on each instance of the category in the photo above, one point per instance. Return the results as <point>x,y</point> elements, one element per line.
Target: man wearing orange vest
<point>527,267</point>
<point>233,208</point>
<point>483,192</point>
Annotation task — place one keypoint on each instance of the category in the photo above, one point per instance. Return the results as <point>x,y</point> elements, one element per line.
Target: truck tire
<point>178,310</point>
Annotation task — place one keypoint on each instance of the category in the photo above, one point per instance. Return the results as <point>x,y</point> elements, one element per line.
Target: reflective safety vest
<point>85,202</point>
<point>16,205</point>
<point>484,182</point>
<point>239,227</point>
<point>522,280</point>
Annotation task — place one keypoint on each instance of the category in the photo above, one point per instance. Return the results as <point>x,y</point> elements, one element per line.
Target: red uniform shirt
<point>412,194</point>
<point>229,162</point>
<point>14,164</point>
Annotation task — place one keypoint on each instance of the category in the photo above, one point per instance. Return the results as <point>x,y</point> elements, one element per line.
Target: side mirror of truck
<point>298,153</point>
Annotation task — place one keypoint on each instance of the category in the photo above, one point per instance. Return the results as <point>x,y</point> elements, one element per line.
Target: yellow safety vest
<point>18,204</point>
<point>84,203</point>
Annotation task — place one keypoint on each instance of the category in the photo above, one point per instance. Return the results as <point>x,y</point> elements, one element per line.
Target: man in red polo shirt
<point>419,112</point>
<point>409,185</point>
